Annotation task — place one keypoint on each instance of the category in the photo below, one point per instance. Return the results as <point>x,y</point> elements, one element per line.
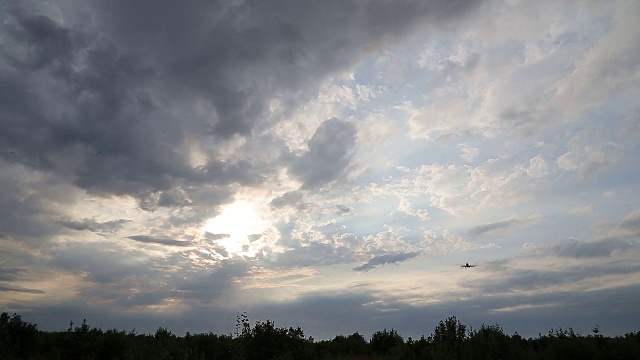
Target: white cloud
<point>610,66</point>
<point>463,189</point>
<point>405,207</point>
<point>468,153</point>
<point>538,167</point>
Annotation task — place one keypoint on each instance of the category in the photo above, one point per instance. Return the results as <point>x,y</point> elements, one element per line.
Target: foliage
<point>449,340</point>
<point>343,347</point>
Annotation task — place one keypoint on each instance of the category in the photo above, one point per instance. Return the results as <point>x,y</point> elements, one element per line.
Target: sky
<point>323,164</point>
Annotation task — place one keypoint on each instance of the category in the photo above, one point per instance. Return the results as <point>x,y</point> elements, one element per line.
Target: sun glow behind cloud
<point>296,167</point>
<point>238,225</point>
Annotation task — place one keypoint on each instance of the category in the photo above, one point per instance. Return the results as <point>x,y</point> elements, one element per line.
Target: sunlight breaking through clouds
<point>320,162</point>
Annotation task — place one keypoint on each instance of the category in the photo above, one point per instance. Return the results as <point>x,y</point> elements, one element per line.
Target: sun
<point>236,223</point>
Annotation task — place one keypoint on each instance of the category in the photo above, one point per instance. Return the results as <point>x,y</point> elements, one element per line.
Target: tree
<point>383,342</point>
<point>265,341</point>
<point>18,339</point>
<point>489,342</point>
<point>447,339</point>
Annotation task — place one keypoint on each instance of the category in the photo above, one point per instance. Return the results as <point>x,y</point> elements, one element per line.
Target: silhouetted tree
<point>19,338</point>
<point>384,342</point>
<point>447,339</point>
<point>489,342</point>
<point>343,347</point>
<point>264,341</point>
<point>22,340</point>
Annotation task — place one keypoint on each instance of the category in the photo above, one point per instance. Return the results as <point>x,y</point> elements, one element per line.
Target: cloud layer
<point>320,163</point>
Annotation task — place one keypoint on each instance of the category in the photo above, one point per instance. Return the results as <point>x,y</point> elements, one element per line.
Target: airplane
<point>467,265</point>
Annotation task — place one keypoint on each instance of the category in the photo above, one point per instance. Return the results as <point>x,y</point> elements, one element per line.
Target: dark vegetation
<point>450,340</point>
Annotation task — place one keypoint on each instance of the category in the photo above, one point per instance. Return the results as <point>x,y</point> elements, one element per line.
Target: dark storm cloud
<point>76,119</point>
<point>49,44</point>
<point>377,261</point>
<point>108,102</point>
<point>158,240</point>
<point>98,115</point>
<point>95,226</point>
<point>329,154</point>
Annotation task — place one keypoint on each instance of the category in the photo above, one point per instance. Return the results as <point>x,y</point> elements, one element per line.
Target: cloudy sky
<point>323,164</point>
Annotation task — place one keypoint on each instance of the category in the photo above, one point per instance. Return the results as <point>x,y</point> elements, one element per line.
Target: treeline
<point>450,340</point>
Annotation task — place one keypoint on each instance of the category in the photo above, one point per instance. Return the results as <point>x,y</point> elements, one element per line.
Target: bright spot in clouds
<point>238,224</point>
<point>319,163</point>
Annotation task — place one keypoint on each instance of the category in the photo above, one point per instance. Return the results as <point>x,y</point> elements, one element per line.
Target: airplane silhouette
<point>468,266</point>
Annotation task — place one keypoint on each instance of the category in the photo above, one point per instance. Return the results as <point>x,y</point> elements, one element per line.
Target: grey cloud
<point>23,214</point>
<point>177,197</point>
<point>325,315</point>
<point>158,240</point>
<point>311,254</point>
<point>9,273</point>
<point>150,297</point>
<point>104,264</point>
<point>206,287</point>
<point>454,70</point>
<point>49,44</point>
<point>344,210</point>
<point>154,279</point>
<point>211,236</point>
<point>95,226</point>
<point>582,249</point>
<point>500,225</point>
<point>102,120</point>
<point>172,198</point>
<point>329,314</point>
<point>329,154</point>
<point>377,261</point>
<point>116,95</point>
<point>446,137</point>
<point>502,278</point>
<point>222,252</point>
<point>113,105</point>
<point>628,229</point>
<point>19,289</point>
<point>254,237</point>
<point>291,198</point>
<point>339,311</point>
<point>631,223</point>
<point>199,293</point>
